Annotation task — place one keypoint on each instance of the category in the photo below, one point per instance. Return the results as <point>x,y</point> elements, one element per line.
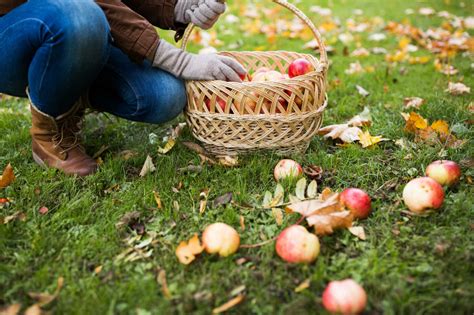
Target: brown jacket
<point>131,22</point>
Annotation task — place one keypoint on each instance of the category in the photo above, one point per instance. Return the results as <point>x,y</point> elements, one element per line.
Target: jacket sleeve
<point>158,12</point>
<point>131,32</point>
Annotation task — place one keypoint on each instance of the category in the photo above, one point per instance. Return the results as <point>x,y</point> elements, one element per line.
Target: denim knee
<point>164,106</point>
<point>82,26</point>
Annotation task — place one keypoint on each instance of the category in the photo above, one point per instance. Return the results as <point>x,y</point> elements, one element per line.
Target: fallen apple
<point>296,245</point>
<point>444,172</point>
<point>357,201</point>
<point>220,238</point>
<point>299,67</point>
<point>344,297</point>
<point>423,193</point>
<point>287,169</point>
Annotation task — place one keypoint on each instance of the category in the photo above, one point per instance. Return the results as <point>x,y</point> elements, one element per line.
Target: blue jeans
<point>60,49</point>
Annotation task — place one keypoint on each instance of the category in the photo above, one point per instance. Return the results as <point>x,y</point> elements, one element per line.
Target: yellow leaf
<point>187,251</point>
<point>403,43</point>
<point>440,126</point>
<point>161,279</point>
<point>303,285</point>
<point>168,146</point>
<point>8,176</point>
<point>278,215</point>
<point>358,231</point>
<point>44,299</point>
<point>414,122</point>
<point>367,140</point>
<point>226,306</point>
<point>157,200</point>
<point>148,166</point>
<point>13,309</point>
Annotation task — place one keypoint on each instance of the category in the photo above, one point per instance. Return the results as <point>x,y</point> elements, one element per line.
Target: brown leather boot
<point>57,142</point>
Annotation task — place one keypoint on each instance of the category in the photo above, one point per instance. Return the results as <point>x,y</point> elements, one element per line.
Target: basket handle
<point>323,59</point>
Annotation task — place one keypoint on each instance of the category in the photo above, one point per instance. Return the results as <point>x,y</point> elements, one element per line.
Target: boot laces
<point>68,136</point>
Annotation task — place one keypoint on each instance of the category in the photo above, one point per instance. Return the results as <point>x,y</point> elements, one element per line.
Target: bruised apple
<point>444,172</point>
<point>344,297</point>
<point>287,169</point>
<point>220,238</point>
<point>423,193</point>
<point>299,67</point>
<point>357,201</point>
<point>296,245</point>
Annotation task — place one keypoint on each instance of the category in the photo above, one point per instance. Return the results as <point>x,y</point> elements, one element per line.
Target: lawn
<point>407,265</point>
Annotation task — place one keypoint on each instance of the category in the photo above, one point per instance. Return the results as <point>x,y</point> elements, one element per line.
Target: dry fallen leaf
<point>187,251</point>
<point>161,279</point>
<point>358,231</point>
<point>316,206</point>
<point>222,200</point>
<point>458,88</point>
<point>203,200</point>
<point>44,299</point>
<point>226,306</point>
<point>362,91</point>
<point>278,215</point>
<point>148,167</point>
<point>8,176</point>
<point>325,224</point>
<point>228,161</point>
<point>157,200</point>
<point>413,102</point>
<point>19,215</point>
<point>34,309</point>
<point>13,309</point>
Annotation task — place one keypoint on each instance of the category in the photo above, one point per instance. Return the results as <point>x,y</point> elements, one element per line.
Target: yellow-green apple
<point>423,193</point>
<point>247,102</point>
<point>444,172</point>
<point>261,69</point>
<point>357,201</point>
<point>344,297</point>
<point>268,76</point>
<point>299,67</point>
<point>296,245</point>
<point>220,238</point>
<point>287,169</point>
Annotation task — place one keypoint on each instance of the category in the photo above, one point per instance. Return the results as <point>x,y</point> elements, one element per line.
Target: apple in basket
<point>220,102</point>
<point>299,67</point>
<point>268,76</point>
<point>246,101</point>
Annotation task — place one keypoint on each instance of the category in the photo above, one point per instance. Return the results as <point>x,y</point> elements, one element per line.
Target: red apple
<point>296,245</point>
<point>220,102</point>
<point>287,169</point>
<point>220,238</point>
<point>299,67</point>
<point>423,193</point>
<point>357,201</point>
<point>444,172</point>
<point>344,297</point>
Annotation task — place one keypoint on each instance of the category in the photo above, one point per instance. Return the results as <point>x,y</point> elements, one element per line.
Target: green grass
<point>408,265</point>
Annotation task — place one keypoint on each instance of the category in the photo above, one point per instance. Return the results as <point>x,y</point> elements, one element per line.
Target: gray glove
<point>196,67</point>
<point>202,13</point>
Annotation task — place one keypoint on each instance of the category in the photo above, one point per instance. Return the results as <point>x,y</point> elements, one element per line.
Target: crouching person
<point>68,55</point>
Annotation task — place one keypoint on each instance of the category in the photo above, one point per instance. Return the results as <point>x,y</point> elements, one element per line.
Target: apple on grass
<point>220,238</point>
<point>299,67</point>
<point>357,201</point>
<point>296,245</point>
<point>287,169</point>
<point>344,297</point>
<point>444,172</point>
<point>423,193</point>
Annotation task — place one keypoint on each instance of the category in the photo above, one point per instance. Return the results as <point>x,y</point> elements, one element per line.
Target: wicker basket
<point>231,118</point>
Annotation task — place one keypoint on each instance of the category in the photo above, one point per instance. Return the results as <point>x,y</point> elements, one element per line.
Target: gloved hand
<point>202,13</point>
<point>196,67</point>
